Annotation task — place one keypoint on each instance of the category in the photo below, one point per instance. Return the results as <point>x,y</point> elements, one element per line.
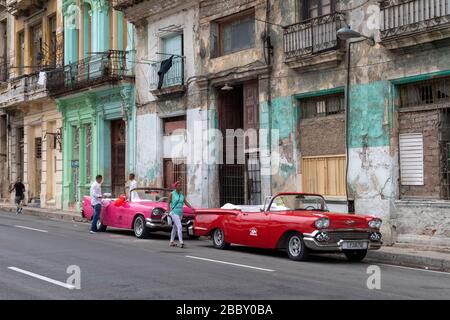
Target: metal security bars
<point>313,35</point>
<point>101,67</point>
<point>430,94</point>
<point>322,106</point>
<point>407,17</point>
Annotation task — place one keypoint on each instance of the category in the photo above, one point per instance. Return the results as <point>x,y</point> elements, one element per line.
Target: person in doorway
<point>134,196</point>
<point>19,187</point>
<point>176,202</point>
<point>96,201</point>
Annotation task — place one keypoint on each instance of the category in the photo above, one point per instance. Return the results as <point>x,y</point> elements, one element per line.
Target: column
<point>100,26</point>
<point>71,26</point>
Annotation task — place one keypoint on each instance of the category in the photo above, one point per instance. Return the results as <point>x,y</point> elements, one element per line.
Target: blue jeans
<point>95,217</point>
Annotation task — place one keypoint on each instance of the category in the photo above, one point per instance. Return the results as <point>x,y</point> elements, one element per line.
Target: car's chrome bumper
<point>156,224</point>
<point>336,246</point>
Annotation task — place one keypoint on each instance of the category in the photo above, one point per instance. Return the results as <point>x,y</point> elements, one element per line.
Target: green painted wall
<point>369,118</point>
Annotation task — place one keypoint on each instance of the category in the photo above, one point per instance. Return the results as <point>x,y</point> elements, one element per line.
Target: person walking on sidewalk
<point>20,194</point>
<point>176,202</point>
<point>96,201</point>
<point>134,196</point>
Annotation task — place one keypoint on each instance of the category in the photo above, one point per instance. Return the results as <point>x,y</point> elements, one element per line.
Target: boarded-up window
<point>174,123</point>
<point>411,159</point>
<point>324,175</point>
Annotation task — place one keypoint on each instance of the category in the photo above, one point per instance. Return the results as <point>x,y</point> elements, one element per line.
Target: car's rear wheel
<point>296,248</point>
<point>218,239</point>
<point>100,226</point>
<point>140,229</point>
<point>355,255</point>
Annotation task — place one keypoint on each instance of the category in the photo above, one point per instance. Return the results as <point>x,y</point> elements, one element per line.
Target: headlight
<point>157,212</point>
<point>375,224</point>
<point>322,223</point>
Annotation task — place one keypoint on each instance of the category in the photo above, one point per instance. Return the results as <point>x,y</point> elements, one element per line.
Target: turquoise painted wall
<point>370,118</point>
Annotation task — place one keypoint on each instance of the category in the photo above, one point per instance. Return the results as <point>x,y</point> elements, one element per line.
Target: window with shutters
<point>424,139</point>
<point>411,159</point>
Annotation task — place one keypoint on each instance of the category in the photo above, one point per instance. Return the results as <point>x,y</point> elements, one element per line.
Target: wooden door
<point>118,156</point>
<point>251,126</point>
<point>231,175</point>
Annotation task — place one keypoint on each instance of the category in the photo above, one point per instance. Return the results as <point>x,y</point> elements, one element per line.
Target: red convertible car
<point>296,222</point>
<point>142,211</point>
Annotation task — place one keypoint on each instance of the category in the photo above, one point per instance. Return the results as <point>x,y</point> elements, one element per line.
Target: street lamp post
<point>346,33</point>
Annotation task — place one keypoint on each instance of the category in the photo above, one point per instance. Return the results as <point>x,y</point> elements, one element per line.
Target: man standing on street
<point>96,201</point>
<point>20,194</point>
<point>133,185</point>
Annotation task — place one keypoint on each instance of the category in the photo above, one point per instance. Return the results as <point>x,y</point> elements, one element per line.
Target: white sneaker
<point>92,232</point>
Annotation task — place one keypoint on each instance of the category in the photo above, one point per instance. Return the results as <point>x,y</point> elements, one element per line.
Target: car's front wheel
<point>218,238</point>
<point>100,226</point>
<point>140,229</point>
<point>296,248</point>
<point>355,255</point>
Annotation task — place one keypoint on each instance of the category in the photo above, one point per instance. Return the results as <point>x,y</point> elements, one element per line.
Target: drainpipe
<point>350,202</point>
<point>268,46</point>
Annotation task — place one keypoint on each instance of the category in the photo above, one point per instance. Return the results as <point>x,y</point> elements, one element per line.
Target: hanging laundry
<point>163,69</point>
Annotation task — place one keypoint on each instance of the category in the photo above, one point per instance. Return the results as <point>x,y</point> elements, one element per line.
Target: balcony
<point>407,23</point>
<point>23,7</point>
<point>22,89</point>
<point>173,83</point>
<point>98,69</point>
<point>313,43</point>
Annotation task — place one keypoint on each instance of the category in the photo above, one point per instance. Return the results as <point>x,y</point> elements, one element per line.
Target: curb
<point>66,216</point>
<point>409,260</point>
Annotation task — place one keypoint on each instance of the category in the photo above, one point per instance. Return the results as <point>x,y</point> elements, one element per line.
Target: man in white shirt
<point>96,201</point>
<point>134,196</point>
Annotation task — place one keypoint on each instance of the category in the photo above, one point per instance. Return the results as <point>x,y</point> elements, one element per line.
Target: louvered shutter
<point>411,159</point>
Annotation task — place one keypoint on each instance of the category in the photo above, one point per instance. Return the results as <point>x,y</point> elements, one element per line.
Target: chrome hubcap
<point>138,226</point>
<point>295,246</point>
<point>218,237</point>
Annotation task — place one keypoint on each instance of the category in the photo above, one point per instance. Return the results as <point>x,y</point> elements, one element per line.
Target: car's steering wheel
<point>163,199</point>
<point>310,208</point>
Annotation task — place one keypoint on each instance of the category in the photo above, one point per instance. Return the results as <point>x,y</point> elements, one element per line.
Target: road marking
<point>416,269</point>
<point>230,263</point>
<point>28,228</point>
<point>37,276</point>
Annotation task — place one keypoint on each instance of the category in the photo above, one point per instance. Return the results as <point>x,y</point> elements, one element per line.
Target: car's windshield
<point>149,195</point>
<point>298,202</point>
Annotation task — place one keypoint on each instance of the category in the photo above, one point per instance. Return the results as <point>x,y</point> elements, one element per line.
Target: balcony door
<point>173,45</point>
<point>317,8</point>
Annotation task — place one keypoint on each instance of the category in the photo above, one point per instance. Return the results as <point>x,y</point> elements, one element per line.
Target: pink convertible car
<point>142,212</point>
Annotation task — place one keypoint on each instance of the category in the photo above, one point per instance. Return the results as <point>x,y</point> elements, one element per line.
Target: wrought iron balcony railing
<point>174,77</point>
<point>401,18</point>
<point>110,66</point>
<point>312,36</point>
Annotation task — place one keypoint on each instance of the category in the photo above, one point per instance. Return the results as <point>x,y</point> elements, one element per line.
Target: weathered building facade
<point>365,124</point>
<point>31,123</point>
<point>94,92</point>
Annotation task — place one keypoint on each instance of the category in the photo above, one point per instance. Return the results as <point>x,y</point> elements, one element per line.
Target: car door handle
<point>245,214</point>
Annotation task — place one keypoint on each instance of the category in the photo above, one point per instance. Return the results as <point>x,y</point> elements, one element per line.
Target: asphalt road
<point>116,265</point>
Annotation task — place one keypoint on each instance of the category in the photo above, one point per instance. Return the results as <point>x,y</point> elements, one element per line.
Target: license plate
<point>354,245</point>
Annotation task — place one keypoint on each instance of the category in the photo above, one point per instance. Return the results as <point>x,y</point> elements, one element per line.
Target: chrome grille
<point>355,235</point>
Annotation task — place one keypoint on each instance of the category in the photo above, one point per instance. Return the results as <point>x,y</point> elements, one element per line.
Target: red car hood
<point>338,220</point>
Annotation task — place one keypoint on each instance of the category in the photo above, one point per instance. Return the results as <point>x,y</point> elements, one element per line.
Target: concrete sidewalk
<point>431,258</point>
<point>45,213</point>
